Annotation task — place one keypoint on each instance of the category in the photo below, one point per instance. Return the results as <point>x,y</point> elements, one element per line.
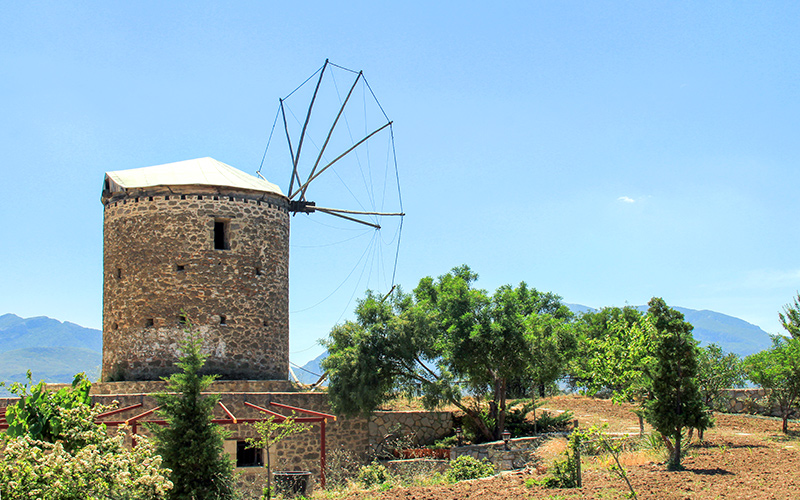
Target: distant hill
<point>311,371</point>
<point>731,334</point>
<point>51,364</point>
<point>41,331</point>
<point>54,351</point>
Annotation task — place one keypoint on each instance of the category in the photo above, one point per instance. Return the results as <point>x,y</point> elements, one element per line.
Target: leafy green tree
<point>617,354</point>
<point>718,370</point>
<point>676,403</point>
<point>191,444</point>
<point>778,371</point>
<point>57,452</point>
<point>447,337</point>
<point>790,317</point>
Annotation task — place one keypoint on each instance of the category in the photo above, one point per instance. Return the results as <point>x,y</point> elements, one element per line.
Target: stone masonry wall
<point>753,401</point>
<point>160,261</point>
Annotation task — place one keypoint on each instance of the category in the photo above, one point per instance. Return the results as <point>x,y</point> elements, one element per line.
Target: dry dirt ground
<point>743,457</point>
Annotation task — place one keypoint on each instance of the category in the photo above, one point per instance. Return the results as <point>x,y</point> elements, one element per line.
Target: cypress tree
<point>191,444</point>
<point>676,402</point>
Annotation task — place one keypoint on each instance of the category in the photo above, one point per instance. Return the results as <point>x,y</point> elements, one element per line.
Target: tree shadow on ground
<point>716,471</point>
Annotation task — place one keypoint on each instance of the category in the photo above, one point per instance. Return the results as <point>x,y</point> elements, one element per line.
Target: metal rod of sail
<point>330,132</point>
<point>308,116</point>
<point>291,150</point>
<point>329,165</point>
<point>353,219</point>
<point>357,212</point>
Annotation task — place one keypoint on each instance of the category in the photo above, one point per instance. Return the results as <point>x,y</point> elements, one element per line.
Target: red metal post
<point>322,455</point>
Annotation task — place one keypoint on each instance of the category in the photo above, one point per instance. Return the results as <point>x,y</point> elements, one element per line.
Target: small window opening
<point>248,457</point>
<point>200,197</point>
<point>258,271</point>
<point>183,196</point>
<point>182,319</point>
<point>166,198</point>
<point>265,323</point>
<point>221,235</point>
<point>119,273</point>
<point>136,199</point>
<point>149,322</point>
<point>180,267</point>
<point>223,320</point>
<point>216,198</point>
<point>150,198</point>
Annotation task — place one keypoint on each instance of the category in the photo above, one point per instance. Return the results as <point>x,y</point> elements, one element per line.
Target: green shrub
<point>373,474</point>
<point>467,467</point>
<point>518,424</point>
<point>445,442</point>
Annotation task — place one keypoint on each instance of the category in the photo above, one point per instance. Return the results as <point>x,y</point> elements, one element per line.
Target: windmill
<point>338,128</point>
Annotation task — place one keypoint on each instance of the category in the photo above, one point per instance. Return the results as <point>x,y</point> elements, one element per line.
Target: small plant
<point>270,432</point>
<point>445,442</point>
<point>566,471</point>
<point>373,474</point>
<point>614,449</point>
<point>467,467</point>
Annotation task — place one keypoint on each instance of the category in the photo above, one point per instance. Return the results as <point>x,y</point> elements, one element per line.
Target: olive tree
<point>446,338</point>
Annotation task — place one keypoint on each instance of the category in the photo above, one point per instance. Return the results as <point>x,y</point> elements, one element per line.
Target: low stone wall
<point>418,428</point>
<point>752,401</point>
<point>520,452</point>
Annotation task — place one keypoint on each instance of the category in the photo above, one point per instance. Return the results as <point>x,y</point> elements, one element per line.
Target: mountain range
<point>55,351</point>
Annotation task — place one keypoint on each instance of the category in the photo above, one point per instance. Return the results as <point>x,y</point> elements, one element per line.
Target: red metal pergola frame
<point>136,421</point>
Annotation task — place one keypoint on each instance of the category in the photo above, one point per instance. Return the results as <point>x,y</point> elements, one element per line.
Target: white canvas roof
<point>201,171</point>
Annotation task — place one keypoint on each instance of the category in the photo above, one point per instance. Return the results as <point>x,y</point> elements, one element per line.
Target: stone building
<point>194,241</point>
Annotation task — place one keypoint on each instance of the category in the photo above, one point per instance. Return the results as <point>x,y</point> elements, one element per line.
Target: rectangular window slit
<point>221,236</point>
<point>180,267</point>
<point>223,321</point>
<point>149,322</point>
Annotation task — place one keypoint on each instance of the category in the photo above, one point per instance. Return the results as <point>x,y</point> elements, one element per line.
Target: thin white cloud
<point>626,199</point>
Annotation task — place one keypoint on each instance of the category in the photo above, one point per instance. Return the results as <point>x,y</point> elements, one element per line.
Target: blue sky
<point>605,151</point>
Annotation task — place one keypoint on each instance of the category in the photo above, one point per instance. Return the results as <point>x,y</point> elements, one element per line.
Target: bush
<point>444,443</point>
<point>467,467</point>
<point>518,425</point>
<point>373,474</point>
<point>57,452</point>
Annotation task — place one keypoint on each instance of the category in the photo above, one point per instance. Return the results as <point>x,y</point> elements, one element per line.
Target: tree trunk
<point>501,417</point>
<point>700,434</point>
<point>785,423</point>
<point>675,460</point>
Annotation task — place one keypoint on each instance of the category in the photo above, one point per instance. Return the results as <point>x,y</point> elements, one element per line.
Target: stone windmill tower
<point>199,241</point>
<point>194,241</point>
